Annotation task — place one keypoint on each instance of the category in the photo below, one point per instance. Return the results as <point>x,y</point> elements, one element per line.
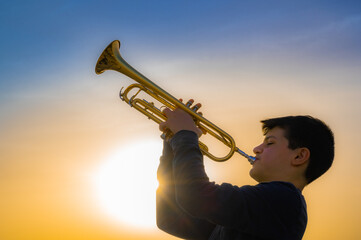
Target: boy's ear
<point>302,156</point>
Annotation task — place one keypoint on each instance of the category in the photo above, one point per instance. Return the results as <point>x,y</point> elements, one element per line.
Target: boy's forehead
<point>275,132</point>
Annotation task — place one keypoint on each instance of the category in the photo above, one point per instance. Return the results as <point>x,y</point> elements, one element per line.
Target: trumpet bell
<point>107,60</point>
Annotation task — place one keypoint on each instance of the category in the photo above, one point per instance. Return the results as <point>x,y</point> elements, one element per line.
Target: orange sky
<point>51,148</point>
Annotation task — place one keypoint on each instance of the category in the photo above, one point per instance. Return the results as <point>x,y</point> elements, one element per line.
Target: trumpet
<point>110,59</point>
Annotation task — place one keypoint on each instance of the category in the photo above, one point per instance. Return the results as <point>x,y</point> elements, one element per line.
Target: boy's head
<point>307,136</point>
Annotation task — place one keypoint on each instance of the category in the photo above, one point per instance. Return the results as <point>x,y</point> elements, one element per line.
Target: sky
<point>62,125</point>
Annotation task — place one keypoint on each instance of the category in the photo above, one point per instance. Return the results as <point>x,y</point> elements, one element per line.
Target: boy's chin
<point>258,175</point>
<point>253,174</point>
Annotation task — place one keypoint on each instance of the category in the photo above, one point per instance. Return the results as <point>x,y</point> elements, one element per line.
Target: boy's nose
<point>258,149</point>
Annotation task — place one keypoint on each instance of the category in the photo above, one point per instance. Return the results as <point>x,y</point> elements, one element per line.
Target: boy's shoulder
<point>276,193</point>
<point>278,186</point>
<point>276,189</point>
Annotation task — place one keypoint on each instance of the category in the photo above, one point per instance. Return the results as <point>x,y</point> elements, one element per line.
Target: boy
<point>296,150</point>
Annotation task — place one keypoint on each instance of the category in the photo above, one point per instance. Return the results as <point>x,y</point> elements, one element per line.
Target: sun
<point>126,183</point>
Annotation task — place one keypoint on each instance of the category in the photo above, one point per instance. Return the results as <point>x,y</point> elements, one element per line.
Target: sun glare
<point>126,183</point>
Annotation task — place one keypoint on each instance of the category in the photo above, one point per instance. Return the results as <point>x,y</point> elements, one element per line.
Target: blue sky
<point>50,36</point>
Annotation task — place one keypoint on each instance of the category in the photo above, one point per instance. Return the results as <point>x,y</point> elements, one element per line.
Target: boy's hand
<point>178,120</point>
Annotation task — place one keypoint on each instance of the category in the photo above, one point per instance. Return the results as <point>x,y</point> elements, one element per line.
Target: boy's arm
<point>170,217</point>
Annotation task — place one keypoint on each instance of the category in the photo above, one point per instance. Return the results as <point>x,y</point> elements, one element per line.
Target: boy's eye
<point>269,143</point>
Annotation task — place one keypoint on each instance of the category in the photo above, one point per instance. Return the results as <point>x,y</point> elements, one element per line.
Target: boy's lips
<point>256,159</point>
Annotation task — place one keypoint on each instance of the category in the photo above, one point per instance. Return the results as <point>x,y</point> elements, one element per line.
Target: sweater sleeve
<point>170,217</point>
<point>193,191</point>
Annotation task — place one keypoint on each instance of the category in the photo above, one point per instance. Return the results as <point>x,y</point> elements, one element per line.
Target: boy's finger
<point>166,111</point>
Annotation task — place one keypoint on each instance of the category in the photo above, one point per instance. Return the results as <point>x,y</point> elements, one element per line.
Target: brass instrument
<point>111,59</point>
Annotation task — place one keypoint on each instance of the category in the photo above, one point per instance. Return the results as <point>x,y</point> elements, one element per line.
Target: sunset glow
<point>125,184</point>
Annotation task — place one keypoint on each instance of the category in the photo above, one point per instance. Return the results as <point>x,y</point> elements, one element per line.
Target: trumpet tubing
<point>111,59</point>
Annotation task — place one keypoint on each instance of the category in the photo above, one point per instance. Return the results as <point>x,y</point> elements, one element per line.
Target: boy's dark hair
<point>309,132</point>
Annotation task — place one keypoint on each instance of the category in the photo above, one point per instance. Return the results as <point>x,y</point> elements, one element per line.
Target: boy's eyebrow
<point>268,137</point>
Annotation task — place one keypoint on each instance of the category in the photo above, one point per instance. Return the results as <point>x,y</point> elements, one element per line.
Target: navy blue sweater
<point>190,206</point>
